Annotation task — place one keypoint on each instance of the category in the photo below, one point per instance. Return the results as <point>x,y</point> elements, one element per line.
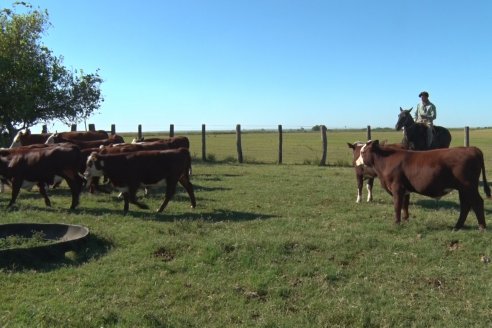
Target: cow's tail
<point>486,187</point>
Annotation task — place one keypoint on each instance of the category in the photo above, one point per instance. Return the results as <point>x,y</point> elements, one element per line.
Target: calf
<point>40,165</point>
<point>432,173</point>
<point>128,171</point>
<point>362,172</point>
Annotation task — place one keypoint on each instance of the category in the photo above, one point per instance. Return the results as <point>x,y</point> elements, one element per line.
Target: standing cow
<point>128,171</point>
<point>432,173</point>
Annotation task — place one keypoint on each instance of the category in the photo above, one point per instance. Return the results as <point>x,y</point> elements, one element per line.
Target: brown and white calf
<point>432,173</point>
<point>362,172</point>
<point>128,171</point>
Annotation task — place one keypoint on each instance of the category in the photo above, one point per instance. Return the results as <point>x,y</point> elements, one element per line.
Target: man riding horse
<point>421,134</point>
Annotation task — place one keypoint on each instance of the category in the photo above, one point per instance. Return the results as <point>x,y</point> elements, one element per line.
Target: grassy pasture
<point>267,246</point>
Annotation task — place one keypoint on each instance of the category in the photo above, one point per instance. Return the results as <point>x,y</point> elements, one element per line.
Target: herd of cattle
<point>432,173</point>
<point>81,158</point>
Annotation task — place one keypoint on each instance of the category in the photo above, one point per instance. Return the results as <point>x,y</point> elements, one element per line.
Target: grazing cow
<point>25,138</point>
<point>128,171</point>
<point>362,172</point>
<point>432,173</point>
<point>40,164</point>
<point>84,144</point>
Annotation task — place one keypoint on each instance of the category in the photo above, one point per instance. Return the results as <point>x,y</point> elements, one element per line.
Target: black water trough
<point>64,237</point>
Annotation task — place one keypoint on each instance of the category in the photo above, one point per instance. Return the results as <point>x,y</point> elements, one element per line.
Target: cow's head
<point>356,147</point>
<point>365,157</point>
<point>93,166</point>
<point>52,139</point>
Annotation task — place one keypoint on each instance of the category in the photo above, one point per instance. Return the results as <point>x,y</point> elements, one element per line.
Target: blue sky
<point>346,63</point>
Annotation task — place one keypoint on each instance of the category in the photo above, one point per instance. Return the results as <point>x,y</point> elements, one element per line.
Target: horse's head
<point>405,119</point>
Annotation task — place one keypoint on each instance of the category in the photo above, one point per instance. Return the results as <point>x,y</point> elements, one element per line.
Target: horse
<point>415,134</point>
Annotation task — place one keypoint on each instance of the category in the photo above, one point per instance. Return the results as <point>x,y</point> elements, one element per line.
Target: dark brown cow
<point>40,165</point>
<point>25,138</point>
<point>84,144</point>
<point>128,171</point>
<point>432,173</point>
<point>362,172</point>
<point>83,135</point>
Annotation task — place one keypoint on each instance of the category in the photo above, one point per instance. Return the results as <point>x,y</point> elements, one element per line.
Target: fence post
<point>467,136</point>
<point>73,127</point>
<point>325,145</point>
<point>44,129</point>
<point>238,144</point>
<point>92,127</point>
<point>280,144</point>
<point>139,133</point>
<point>113,129</point>
<point>204,148</point>
<point>171,130</point>
<point>369,133</point>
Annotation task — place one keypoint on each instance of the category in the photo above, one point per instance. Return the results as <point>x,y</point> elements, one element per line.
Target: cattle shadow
<point>93,248</point>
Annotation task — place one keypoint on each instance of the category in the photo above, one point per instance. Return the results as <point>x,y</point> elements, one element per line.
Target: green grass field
<point>267,246</point>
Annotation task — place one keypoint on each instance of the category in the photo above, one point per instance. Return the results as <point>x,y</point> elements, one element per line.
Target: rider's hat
<point>424,93</point>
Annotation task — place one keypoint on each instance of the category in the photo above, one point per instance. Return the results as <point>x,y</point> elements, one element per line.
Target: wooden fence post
<point>369,133</point>
<point>238,144</point>
<point>280,144</point>
<point>204,148</point>
<point>73,127</point>
<point>44,129</point>
<point>92,127</point>
<point>139,133</point>
<point>325,145</point>
<point>171,130</point>
<point>113,129</point>
<point>467,136</point>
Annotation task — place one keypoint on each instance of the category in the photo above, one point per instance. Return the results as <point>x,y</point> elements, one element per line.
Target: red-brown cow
<point>84,144</point>
<point>128,171</point>
<point>40,164</point>
<point>432,173</point>
<point>173,142</point>
<point>25,138</point>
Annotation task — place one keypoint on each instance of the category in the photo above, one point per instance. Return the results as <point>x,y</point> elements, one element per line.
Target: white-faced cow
<point>39,165</point>
<point>432,173</point>
<point>362,172</point>
<point>128,171</point>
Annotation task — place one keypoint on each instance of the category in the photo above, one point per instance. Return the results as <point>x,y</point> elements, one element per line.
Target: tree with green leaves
<point>35,87</point>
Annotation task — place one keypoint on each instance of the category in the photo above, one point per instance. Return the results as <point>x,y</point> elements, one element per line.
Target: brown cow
<point>83,135</point>
<point>173,142</point>
<point>84,144</point>
<point>128,171</point>
<point>25,138</point>
<point>432,173</point>
<point>40,164</point>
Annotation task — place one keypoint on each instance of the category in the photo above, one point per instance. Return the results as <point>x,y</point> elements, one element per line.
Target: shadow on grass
<point>93,248</point>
